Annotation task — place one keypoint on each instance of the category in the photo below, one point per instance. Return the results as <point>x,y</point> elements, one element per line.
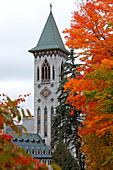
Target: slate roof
<point>34,145</point>
<point>50,38</point>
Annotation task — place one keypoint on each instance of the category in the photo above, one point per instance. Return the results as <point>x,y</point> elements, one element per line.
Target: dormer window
<point>21,140</point>
<point>38,141</point>
<point>33,140</point>
<point>27,140</point>
<point>45,71</point>
<point>15,140</point>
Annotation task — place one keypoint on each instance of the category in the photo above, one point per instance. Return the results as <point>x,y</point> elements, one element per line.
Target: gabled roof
<point>50,37</point>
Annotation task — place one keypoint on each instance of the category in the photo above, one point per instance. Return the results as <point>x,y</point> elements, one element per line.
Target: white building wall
<point>55,60</point>
<point>39,100</point>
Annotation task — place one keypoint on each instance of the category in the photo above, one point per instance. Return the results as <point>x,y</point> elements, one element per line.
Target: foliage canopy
<point>92,33</point>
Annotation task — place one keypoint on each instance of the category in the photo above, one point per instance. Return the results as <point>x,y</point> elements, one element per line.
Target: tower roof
<point>50,37</point>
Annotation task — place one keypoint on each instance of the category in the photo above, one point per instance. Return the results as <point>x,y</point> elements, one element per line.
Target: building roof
<point>33,145</point>
<point>50,37</point>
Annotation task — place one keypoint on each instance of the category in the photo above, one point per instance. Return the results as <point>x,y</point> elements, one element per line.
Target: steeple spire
<point>50,7</point>
<point>50,38</point>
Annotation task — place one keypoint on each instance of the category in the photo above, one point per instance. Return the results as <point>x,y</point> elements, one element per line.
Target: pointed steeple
<point>50,37</point>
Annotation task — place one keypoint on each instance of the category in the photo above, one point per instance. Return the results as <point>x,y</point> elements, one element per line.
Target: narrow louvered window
<point>45,122</point>
<point>38,74</point>
<point>38,119</point>
<point>62,69</point>
<point>53,70</point>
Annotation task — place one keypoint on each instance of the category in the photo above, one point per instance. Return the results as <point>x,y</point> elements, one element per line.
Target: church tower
<point>49,55</point>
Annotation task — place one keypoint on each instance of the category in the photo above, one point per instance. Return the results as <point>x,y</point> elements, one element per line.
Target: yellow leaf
<point>56,166</point>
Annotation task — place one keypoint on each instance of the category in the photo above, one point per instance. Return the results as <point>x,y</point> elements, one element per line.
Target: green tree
<point>67,118</point>
<point>65,124</point>
<point>63,157</point>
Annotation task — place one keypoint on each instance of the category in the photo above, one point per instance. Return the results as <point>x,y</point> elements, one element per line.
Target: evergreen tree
<point>65,124</point>
<point>63,157</point>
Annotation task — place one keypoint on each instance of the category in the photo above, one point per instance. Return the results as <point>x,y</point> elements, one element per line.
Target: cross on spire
<point>50,7</point>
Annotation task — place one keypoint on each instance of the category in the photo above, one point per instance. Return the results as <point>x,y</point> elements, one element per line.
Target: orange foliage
<point>89,31</point>
<point>92,33</point>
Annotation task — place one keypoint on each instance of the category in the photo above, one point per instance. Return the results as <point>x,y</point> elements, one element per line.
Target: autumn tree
<point>91,33</point>
<point>11,156</point>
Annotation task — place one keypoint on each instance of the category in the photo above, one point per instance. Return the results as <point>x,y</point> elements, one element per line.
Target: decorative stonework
<point>39,86</point>
<point>45,92</point>
<point>52,100</point>
<point>49,53</point>
<point>38,100</point>
<point>52,85</point>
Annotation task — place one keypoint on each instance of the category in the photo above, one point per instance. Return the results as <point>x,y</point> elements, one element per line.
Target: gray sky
<point>21,24</point>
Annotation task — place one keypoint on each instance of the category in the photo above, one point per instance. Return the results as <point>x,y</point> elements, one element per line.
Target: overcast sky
<point>21,24</point>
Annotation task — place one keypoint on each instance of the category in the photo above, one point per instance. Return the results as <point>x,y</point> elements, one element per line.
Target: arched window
<point>62,69</point>
<point>49,162</point>
<point>45,71</point>
<point>45,121</point>
<point>49,151</point>
<point>38,74</point>
<point>38,119</point>
<point>53,73</point>
<point>27,150</point>
<point>33,150</point>
<point>45,111</point>
<point>52,113</point>
<point>38,111</point>
<point>44,151</point>
<point>39,152</point>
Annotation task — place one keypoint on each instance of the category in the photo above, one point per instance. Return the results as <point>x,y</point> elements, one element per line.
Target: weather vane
<point>51,7</point>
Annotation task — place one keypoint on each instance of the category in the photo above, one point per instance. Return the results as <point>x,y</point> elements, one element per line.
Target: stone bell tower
<point>49,54</point>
